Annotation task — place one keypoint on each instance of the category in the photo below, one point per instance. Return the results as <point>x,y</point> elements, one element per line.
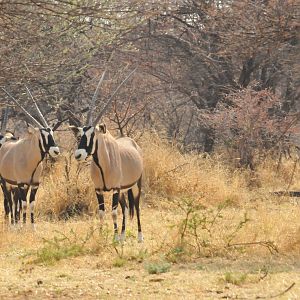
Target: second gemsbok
<point>21,160</point>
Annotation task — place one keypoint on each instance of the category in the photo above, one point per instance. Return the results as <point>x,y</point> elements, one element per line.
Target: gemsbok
<point>21,160</point>
<point>117,165</point>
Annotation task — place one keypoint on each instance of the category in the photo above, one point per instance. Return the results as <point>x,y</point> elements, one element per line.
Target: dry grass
<point>172,174</point>
<point>195,210</point>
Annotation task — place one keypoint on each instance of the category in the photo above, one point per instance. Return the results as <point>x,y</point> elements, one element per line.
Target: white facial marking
<point>46,135</point>
<point>80,154</point>
<point>46,138</point>
<point>88,135</point>
<point>81,132</point>
<point>54,151</point>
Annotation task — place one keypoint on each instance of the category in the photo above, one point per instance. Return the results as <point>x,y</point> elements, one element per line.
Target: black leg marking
<point>124,208</point>
<point>15,194</point>
<point>11,209</point>
<point>137,208</point>
<point>6,204</point>
<point>32,201</point>
<point>115,202</point>
<point>23,194</point>
<point>101,205</point>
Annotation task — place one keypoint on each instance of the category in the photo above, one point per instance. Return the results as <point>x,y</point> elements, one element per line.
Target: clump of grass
<point>51,253</point>
<point>119,262</point>
<point>236,279</point>
<point>71,244</point>
<point>157,267</point>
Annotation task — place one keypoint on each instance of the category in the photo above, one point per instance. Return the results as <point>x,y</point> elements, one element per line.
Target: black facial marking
<point>83,140</point>
<point>50,143</point>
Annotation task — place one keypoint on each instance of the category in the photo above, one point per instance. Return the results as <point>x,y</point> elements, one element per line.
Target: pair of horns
<point>32,119</point>
<point>93,101</point>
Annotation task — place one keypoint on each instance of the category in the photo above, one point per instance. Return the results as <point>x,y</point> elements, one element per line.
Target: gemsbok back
<point>117,165</point>
<point>21,160</point>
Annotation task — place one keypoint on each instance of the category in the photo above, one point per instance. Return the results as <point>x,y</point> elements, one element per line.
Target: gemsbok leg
<point>124,213</point>
<point>7,203</point>
<point>101,206</point>
<point>6,206</point>
<point>15,194</point>
<point>23,197</point>
<point>134,202</point>
<point>32,202</point>
<point>114,212</point>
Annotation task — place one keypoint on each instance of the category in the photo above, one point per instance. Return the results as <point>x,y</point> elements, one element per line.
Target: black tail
<point>131,203</point>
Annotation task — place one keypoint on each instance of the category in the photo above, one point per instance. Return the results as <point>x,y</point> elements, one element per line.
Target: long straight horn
<point>23,109</point>
<point>92,104</point>
<point>37,108</point>
<point>111,98</point>
<point>93,101</point>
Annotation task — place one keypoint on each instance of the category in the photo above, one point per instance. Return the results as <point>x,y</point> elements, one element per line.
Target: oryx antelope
<point>21,160</point>
<point>117,165</point>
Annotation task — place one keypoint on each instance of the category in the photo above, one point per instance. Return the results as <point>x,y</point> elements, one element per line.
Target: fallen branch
<point>277,295</point>
<point>268,244</point>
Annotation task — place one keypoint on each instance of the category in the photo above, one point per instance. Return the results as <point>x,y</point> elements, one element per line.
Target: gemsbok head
<point>117,164</point>
<point>21,160</point>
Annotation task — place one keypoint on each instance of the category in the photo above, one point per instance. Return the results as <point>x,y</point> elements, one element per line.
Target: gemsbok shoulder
<point>21,160</point>
<point>116,166</point>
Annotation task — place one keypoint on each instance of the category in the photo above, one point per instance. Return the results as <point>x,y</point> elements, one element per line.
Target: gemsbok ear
<point>101,128</point>
<point>75,129</point>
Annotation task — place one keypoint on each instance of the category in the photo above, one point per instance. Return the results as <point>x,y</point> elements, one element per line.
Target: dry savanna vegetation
<point>210,232</point>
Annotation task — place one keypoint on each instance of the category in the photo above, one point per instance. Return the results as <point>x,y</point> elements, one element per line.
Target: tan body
<point>19,166</point>
<point>120,160</point>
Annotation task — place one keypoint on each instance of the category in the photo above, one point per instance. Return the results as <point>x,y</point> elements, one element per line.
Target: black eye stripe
<point>51,142</point>
<point>83,142</point>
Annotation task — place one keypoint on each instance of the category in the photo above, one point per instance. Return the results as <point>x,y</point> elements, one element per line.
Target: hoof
<point>140,237</point>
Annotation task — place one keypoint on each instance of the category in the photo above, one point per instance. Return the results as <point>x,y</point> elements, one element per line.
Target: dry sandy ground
<point>84,278</point>
<point>95,276</point>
